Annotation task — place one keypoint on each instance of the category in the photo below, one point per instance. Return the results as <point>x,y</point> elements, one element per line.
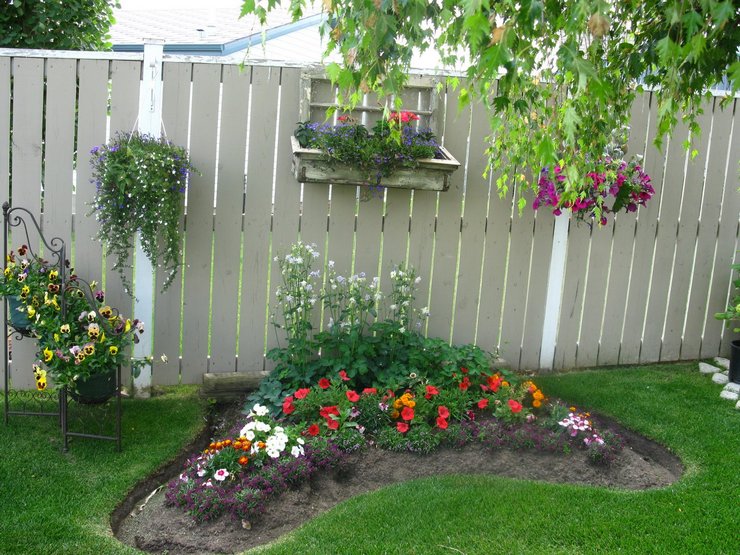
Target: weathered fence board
<point>257,217</point>
<point>663,244</point>
<point>227,231</point>
<point>59,138</point>
<point>707,235</point>
<point>27,151</point>
<point>714,340</point>
<point>199,225</point>
<point>176,79</point>
<point>91,132</point>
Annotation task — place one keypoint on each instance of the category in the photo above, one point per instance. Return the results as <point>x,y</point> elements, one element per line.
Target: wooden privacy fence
<point>643,289</point>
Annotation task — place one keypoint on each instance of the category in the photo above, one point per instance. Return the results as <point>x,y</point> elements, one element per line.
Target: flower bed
<point>321,425</point>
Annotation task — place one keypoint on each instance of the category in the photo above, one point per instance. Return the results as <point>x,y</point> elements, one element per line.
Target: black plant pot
<point>735,361</point>
<point>95,389</point>
<point>18,318</point>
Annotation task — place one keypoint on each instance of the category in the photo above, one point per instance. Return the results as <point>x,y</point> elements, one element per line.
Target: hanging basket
<point>311,166</point>
<point>18,316</point>
<point>95,389</point>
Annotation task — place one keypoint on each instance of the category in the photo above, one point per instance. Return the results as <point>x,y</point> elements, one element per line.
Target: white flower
<point>393,274</point>
<point>393,307</point>
<point>208,483</point>
<point>249,435</point>
<point>260,410</point>
<point>201,472</point>
<point>417,281</point>
<point>184,478</point>
<point>296,451</point>
<point>331,264</point>
<point>221,474</point>
<point>401,330</point>
<point>272,453</point>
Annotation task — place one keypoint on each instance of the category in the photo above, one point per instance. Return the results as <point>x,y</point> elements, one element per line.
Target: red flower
<point>369,391</point>
<point>463,370</point>
<point>483,403</point>
<point>464,384</point>
<point>313,430</point>
<point>288,399</point>
<point>324,383</point>
<point>353,396</point>
<point>431,390</point>
<point>402,427</point>
<point>344,119</point>
<point>301,393</point>
<point>288,408</point>
<point>443,411</point>
<point>494,382</point>
<point>441,423</point>
<point>484,387</point>
<point>470,414</point>
<point>326,411</point>
<point>343,375</point>
<point>515,406</point>
<point>331,423</point>
<point>407,413</point>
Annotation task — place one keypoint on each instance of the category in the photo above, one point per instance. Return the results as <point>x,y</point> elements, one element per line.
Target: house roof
<point>213,31</point>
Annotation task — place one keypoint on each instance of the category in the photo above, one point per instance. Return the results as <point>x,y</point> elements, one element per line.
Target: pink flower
<point>221,474</point>
<point>343,375</point>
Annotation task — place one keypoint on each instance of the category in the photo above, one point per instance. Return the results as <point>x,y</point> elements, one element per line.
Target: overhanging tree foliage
<point>558,76</point>
<point>56,24</point>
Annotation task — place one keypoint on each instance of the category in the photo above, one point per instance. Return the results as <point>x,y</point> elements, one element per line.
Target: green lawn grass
<point>53,502</point>
<point>700,514</point>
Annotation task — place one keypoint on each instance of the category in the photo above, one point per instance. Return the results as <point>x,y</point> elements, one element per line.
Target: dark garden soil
<point>144,521</point>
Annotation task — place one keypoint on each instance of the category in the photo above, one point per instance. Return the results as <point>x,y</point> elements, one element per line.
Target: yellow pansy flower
<point>48,354</point>
<point>113,350</point>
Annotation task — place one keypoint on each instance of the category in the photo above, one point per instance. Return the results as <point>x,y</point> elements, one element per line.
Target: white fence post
<point>554,299</point>
<point>150,122</point>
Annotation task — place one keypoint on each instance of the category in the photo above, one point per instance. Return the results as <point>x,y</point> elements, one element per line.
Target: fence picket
<point>716,337</point>
<point>25,189</point>
<point>447,234</point>
<point>199,223</point>
<point>176,79</point>
<point>663,245</point>
<point>227,234</point>
<point>472,232</point>
<point>257,218</point>
<point>91,129</point>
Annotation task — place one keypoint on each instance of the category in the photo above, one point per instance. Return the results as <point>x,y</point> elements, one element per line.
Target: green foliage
<point>57,24</point>
<point>371,337</point>
<point>141,181</point>
<point>732,314</point>
<point>420,438</point>
<point>556,76</point>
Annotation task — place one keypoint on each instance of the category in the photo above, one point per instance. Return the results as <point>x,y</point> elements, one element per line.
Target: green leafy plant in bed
<point>373,336</point>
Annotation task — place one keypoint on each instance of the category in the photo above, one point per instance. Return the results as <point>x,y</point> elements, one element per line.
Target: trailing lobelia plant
<point>141,182</point>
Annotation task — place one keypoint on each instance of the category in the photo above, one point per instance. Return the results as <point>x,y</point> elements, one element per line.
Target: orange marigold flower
<point>227,442</point>
<point>538,395</point>
<point>237,445</point>
<point>536,403</point>
<point>395,414</point>
<point>246,444</point>
<point>261,444</point>
<point>397,404</point>
<point>243,460</point>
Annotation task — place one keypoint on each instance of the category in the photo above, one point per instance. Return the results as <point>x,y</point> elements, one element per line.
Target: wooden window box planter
<point>310,166</point>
